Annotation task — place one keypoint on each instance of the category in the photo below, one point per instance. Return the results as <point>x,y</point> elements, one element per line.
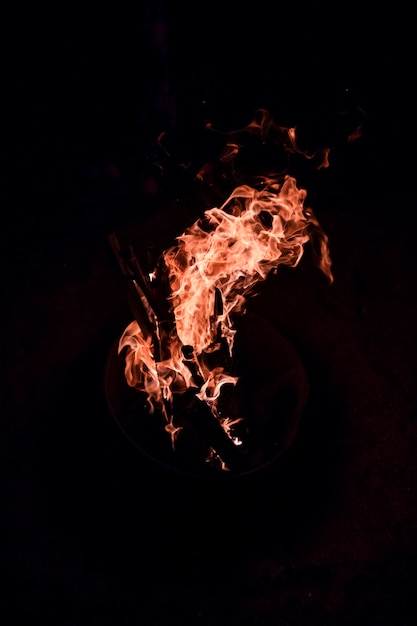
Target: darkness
<point>91,531</point>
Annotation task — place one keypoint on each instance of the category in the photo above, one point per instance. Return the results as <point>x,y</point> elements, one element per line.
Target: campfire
<point>195,380</point>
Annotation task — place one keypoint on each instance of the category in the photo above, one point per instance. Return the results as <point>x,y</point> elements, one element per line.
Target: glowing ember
<point>211,271</point>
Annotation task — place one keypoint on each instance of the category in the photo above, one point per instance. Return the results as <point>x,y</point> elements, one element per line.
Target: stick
<point>200,417</point>
<point>138,294</point>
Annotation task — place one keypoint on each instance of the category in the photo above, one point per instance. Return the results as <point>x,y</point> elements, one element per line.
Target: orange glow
<point>214,267</point>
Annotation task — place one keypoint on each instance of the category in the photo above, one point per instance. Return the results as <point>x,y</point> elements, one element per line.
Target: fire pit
<point>268,399</point>
<point>196,381</point>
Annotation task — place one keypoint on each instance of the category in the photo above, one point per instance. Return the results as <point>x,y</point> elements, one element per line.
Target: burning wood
<point>188,405</point>
<point>138,292</point>
<point>179,350</point>
<point>206,279</point>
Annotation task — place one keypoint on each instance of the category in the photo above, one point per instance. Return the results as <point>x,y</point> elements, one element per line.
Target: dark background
<point>92,533</point>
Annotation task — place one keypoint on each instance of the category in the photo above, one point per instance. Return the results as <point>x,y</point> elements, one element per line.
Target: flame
<point>266,131</point>
<point>214,267</point>
<point>228,252</point>
<point>233,249</point>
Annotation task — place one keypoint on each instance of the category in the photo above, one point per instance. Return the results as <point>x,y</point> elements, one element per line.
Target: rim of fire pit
<point>271,393</point>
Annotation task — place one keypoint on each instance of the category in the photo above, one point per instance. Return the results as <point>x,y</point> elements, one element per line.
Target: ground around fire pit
<point>93,532</point>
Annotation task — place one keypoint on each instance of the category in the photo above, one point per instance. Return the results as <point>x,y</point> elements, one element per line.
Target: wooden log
<point>199,416</point>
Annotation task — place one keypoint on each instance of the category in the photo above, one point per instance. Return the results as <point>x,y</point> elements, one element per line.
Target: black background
<point>91,532</point>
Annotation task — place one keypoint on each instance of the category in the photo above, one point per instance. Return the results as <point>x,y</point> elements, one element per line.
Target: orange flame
<point>232,250</point>
<point>215,265</point>
<point>240,244</point>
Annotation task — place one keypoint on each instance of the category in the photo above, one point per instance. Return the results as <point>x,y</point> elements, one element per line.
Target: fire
<point>215,265</point>
<point>232,250</point>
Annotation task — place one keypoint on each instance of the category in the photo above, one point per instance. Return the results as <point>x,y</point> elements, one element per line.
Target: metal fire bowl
<point>270,395</point>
